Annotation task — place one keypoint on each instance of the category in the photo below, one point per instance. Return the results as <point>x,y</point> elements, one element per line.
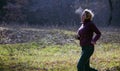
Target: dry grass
<point>57,50</point>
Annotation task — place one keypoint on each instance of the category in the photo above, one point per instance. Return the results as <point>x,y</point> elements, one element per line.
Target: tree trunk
<point>111,11</point>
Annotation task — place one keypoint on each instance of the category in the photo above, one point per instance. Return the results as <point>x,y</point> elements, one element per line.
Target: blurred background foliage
<point>58,12</point>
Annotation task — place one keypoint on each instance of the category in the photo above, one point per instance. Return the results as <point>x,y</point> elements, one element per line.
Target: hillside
<point>45,49</point>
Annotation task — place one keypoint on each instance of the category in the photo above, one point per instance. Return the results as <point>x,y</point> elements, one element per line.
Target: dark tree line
<point>53,12</point>
<point>12,10</point>
<point>58,12</point>
<point>2,10</point>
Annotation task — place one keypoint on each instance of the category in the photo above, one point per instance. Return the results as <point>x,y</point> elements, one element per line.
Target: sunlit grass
<point>31,56</point>
<point>106,56</point>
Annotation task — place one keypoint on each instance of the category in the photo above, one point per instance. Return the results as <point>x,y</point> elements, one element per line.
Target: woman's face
<point>83,17</point>
<point>86,16</point>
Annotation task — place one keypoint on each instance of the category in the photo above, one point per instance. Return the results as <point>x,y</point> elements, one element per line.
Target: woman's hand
<point>92,42</point>
<point>77,37</point>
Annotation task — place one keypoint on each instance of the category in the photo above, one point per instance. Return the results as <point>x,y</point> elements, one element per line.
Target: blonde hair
<point>89,14</point>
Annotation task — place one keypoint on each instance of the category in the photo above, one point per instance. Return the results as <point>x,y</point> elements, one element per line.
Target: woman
<point>87,41</point>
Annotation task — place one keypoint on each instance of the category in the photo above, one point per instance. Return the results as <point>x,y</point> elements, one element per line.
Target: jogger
<point>87,40</point>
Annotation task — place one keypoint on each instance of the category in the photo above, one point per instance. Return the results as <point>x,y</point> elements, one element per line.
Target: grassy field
<point>59,51</point>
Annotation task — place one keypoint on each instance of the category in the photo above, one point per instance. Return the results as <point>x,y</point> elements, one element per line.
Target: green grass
<point>32,57</point>
<point>41,56</point>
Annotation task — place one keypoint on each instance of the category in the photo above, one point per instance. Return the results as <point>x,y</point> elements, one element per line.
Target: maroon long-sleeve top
<point>86,33</point>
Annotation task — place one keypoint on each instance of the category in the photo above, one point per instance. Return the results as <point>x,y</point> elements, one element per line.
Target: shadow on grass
<point>19,67</point>
<point>116,68</point>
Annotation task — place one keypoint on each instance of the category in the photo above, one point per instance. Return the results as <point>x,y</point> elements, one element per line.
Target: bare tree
<point>111,11</point>
<point>2,9</point>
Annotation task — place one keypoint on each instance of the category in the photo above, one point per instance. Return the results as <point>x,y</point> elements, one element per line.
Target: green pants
<point>84,62</point>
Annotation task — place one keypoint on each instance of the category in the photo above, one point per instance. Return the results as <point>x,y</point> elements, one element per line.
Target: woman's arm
<point>98,33</point>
